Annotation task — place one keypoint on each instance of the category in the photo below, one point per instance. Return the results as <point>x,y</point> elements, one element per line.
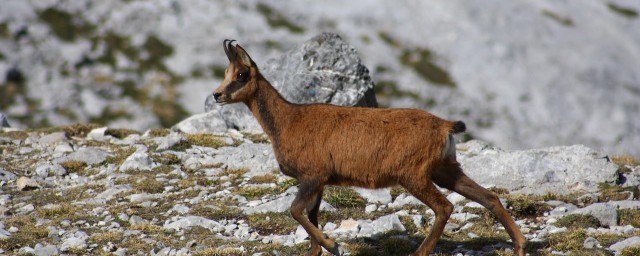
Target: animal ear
<point>244,57</point>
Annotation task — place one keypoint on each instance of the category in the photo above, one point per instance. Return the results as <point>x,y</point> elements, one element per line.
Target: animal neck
<point>270,109</point>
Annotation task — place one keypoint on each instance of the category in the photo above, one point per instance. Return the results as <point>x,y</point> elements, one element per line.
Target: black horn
<point>229,50</point>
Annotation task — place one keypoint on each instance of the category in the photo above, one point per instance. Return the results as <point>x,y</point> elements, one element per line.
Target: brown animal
<point>322,144</point>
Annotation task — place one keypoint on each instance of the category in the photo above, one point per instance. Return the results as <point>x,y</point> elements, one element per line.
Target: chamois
<point>322,144</point>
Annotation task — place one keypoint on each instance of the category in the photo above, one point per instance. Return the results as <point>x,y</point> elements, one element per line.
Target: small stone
<point>606,213</point>
<point>136,220</point>
<point>13,229</point>
<point>370,208</point>
<point>591,243</point>
<point>45,250</point>
<point>98,134</point>
<point>25,183</point>
<point>47,170</point>
<point>26,209</point>
<point>53,138</point>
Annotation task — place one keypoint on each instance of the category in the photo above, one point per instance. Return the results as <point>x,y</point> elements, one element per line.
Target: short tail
<point>459,127</point>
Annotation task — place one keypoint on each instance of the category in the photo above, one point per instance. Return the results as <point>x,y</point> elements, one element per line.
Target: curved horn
<point>228,49</point>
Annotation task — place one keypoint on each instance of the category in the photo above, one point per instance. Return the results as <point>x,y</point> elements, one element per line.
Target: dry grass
<point>149,185</point>
<point>205,140</point>
<point>80,130</point>
<point>257,137</point>
<point>159,132</point>
<point>578,221</point>
<point>272,223</point>
<point>629,217</point>
<point>28,234</point>
<point>120,133</point>
<point>74,166</point>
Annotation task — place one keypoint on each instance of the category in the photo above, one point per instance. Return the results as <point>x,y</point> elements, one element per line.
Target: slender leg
<point>431,196</point>
<point>452,177</point>
<point>312,212</point>
<point>308,191</point>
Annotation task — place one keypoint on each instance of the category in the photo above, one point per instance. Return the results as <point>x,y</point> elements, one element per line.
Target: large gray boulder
<point>324,69</point>
<point>558,170</point>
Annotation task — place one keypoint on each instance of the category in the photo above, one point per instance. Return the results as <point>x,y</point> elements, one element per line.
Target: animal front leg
<point>310,192</point>
<point>312,212</point>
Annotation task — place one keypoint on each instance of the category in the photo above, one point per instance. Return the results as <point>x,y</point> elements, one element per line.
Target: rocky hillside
<point>89,190</point>
<point>523,74</point>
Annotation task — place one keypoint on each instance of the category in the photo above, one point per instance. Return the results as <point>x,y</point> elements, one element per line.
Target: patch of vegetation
<point>159,132</point>
<point>396,191</point>
<point>631,251</point>
<point>166,159</point>
<point>610,192</point>
<point>65,25</point>
<point>565,21</point>
<point>422,61</point>
<point>221,252</point>
<point>4,30</point>
<point>149,185</point>
<point>388,39</point>
<point>623,161</point>
<point>205,140</point>
<point>524,206</point>
<point>629,217</point>
<point>388,88</point>
<point>120,133</point>
<point>158,51</point>
<point>147,228</point>
<point>276,19</point>
<point>273,223</point>
<point>15,135</point>
<point>80,130</point>
<point>267,178</point>
<point>257,137</point>
<point>74,166</point>
<point>103,238</point>
<point>624,11</point>
<point>119,156</point>
<point>341,197</point>
<point>218,211</point>
<point>572,240</point>
<point>56,211</point>
<point>252,193</point>
<point>579,221</point>
<point>28,233</point>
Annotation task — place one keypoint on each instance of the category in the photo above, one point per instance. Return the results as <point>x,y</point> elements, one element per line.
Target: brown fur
<point>321,144</point>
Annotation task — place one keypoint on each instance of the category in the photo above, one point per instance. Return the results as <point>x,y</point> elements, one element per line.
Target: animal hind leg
<point>426,192</point>
<point>452,178</point>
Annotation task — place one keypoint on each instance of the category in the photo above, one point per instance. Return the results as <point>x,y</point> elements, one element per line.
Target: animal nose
<point>216,95</point>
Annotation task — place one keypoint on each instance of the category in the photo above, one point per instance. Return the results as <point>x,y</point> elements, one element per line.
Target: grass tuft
<point>272,223</point>
<point>121,133</point>
<point>343,197</point>
<point>74,166</point>
<point>579,221</point>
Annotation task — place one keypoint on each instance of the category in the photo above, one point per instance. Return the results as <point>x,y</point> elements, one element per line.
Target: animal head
<point>240,78</point>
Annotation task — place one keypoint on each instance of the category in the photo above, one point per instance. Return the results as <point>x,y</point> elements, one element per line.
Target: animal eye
<point>242,76</point>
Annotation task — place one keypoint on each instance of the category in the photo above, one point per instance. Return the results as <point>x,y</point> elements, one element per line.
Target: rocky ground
<point>522,74</point>
<point>85,189</point>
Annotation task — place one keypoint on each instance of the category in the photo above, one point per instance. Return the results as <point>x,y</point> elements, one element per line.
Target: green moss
<point>621,10</point>
<point>565,21</point>
<point>343,197</point>
<point>276,19</point>
<point>65,25</point>
<point>388,39</point>
<point>578,221</point>
<point>421,60</point>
